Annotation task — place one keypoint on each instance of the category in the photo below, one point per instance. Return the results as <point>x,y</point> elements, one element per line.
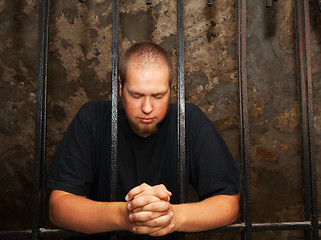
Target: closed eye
<point>136,96</point>
<point>158,96</point>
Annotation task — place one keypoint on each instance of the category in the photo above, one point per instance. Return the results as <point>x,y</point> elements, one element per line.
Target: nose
<point>147,106</point>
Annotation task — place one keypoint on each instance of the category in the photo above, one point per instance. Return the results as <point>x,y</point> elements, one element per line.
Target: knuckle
<point>155,222</point>
<point>168,205</point>
<point>152,207</point>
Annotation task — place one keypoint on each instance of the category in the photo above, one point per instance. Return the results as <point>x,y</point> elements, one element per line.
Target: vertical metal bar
<point>319,4</point>
<point>181,101</point>
<point>114,107</point>
<point>114,104</point>
<point>268,3</point>
<point>306,107</point>
<point>41,118</point>
<point>244,121</point>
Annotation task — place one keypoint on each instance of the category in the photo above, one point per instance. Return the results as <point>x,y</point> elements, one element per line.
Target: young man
<point>147,201</point>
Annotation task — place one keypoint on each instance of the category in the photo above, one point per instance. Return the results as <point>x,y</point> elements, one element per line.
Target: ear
<point>120,86</point>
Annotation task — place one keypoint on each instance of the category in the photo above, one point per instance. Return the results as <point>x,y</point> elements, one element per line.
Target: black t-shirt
<point>82,163</point>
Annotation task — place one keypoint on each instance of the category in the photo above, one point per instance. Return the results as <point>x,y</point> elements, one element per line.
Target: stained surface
<point>80,70</point>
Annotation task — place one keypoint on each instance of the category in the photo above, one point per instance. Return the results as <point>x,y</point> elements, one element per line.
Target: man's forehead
<point>146,63</point>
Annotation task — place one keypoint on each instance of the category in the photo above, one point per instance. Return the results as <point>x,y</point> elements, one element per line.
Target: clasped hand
<point>150,211</point>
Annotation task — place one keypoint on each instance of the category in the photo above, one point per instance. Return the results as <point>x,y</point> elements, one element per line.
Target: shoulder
<point>93,111</point>
<point>194,116</point>
<point>190,108</point>
<point>192,112</point>
<point>95,105</point>
<point>94,108</point>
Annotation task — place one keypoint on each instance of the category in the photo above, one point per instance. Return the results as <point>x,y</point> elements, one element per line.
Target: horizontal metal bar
<point>257,227</point>
<point>21,234</point>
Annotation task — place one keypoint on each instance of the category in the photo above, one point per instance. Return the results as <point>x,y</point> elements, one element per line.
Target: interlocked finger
<point>158,206</point>
<point>163,231</point>
<point>142,201</point>
<point>136,190</point>
<point>145,216</point>
<point>159,191</point>
<point>149,219</point>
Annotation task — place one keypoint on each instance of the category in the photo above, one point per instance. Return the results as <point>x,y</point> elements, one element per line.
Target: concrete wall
<point>80,70</point>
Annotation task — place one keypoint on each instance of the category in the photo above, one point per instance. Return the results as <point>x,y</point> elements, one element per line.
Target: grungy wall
<point>79,70</point>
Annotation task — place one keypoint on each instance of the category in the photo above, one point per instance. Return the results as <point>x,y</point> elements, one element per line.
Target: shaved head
<point>144,55</point>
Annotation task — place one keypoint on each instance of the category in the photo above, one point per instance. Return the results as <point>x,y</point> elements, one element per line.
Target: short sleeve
<point>72,168</point>
<point>213,170</point>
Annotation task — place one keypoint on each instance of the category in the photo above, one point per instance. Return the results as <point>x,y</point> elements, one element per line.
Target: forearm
<point>83,215</point>
<point>208,214</point>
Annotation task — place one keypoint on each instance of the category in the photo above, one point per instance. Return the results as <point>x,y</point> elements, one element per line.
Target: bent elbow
<point>235,209</point>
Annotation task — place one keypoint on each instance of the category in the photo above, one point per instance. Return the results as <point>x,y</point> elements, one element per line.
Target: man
<point>147,201</point>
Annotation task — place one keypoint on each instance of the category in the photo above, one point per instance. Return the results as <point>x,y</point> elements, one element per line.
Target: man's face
<point>145,97</point>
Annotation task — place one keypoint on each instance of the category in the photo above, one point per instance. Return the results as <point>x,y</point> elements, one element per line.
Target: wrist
<point>124,223</point>
<point>178,217</point>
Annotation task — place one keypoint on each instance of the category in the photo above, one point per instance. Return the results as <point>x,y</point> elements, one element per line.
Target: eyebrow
<point>153,94</point>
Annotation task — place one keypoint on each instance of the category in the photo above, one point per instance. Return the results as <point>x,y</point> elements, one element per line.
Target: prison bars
<point>244,142</point>
<point>181,103</point>
<point>41,121</point>
<point>306,110</point>
<point>311,225</point>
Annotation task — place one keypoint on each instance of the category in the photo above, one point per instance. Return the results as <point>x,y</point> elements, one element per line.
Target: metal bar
<point>181,101</point>
<point>114,106</point>
<point>44,131</point>
<point>41,117</point>
<point>319,4</point>
<point>114,113</point>
<point>269,3</point>
<point>306,108</point>
<point>22,234</point>
<point>244,121</point>
<point>62,233</point>
<point>257,227</point>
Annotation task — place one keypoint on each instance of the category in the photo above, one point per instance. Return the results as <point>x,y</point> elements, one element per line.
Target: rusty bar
<point>41,120</point>
<point>306,110</point>
<point>246,214</point>
<point>114,108</point>
<point>319,4</point>
<point>269,3</point>
<point>181,102</point>
<point>114,104</point>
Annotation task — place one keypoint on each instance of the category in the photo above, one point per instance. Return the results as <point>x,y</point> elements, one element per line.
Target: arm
<point>80,214</point>
<point>208,214</point>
